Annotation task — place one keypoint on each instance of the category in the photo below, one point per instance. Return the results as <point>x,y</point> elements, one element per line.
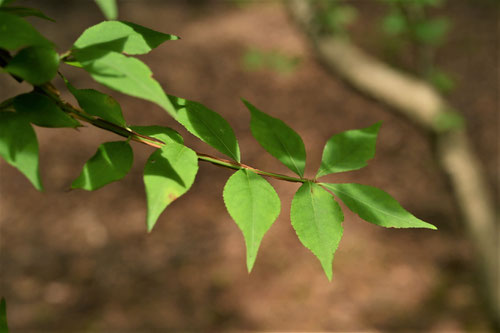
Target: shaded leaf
<point>164,134</point>
<point>3,317</point>
<point>349,150</point>
<point>25,11</point>
<point>278,139</point>
<point>5,2</point>
<point>110,163</point>
<point>42,111</point>
<point>98,104</point>
<point>19,146</point>
<point>35,64</point>
<point>124,74</point>
<point>15,33</point>
<point>121,36</point>
<point>317,220</point>
<point>168,174</point>
<point>207,125</point>
<point>254,205</point>
<point>108,8</point>
<point>376,206</point>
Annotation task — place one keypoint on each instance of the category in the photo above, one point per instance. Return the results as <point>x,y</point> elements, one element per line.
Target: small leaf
<point>126,75</point>
<point>108,8</point>
<point>208,126</point>
<point>349,150</point>
<point>15,33</point>
<point>121,36</point>
<point>278,139</point>
<point>254,205</point>
<point>376,206</point>
<point>110,163</point>
<point>98,104</point>
<point>19,146</point>
<point>25,11</point>
<point>42,111</point>
<point>164,134</point>
<point>3,317</point>
<point>317,220</point>
<point>168,174</point>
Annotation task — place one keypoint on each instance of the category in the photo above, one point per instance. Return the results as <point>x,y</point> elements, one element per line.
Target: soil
<point>77,261</point>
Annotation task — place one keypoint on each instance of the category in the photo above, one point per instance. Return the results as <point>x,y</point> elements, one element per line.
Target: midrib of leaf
<point>289,155</point>
<point>328,169</point>
<point>317,228</point>
<point>253,209</point>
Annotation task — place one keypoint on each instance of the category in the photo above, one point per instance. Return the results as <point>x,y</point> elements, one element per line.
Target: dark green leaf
<point>19,146</point>
<point>108,8</point>
<point>164,134</point>
<point>207,125</point>
<point>168,174</point>
<point>122,36</point>
<point>15,33</point>
<point>376,206</point>
<point>124,74</point>
<point>98,104</point>
<point>317,219</point>
<point>3,317</point>
<point>25,11</point>
<point>278,139</point>
<point>254,205</point>
<point>5,2</point>
<point>432,31</point>
<point>42,111</point>
<point>349,150</point>
<point>35,64</point>
<point>111,162</point>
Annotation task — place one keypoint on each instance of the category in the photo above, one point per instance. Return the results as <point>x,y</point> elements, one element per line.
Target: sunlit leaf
<point>317,220</point>
<point>168,174</point>
<point>108,8</point>
<point>349,150</point>
<point>207,125</point>
<point>15,33</point>
<point>19,146</point>
<point>164,134</point>
<point>110,163</point>
<point>254,205</point>
<point>376,206</point>
<point>278,139</point>
<point>42,111</point>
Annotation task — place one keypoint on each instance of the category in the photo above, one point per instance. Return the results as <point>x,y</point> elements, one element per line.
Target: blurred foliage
<point>334,16</point>
<point>255,59</point>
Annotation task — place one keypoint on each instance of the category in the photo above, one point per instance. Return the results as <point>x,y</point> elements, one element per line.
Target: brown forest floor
<point>76,261</point>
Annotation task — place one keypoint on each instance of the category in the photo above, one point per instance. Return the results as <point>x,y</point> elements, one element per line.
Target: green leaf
<point>42,111</point>
<point>15,33</point>
<point>432,31</point>
<point>98,104</point>
<point>120,36</point>
<point>124,74</point>
<point>254,205</point>
<point>3,317</point>
<point>349,150</point>
<point>19,146</point>
<point>108,8</point>
<point>278,139</point>
<point>35,64</point>
<point>110,163</point>
<point>394,23</point>
<point>207,125</point>
<point>164,134</point>
<point>168,174</point>
<point>376,206</point>
<point>5,2</point>
<point>317,220</point>
<point>25,11</point>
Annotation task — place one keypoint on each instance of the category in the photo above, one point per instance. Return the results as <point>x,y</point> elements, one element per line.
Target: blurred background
<point>76,261</point>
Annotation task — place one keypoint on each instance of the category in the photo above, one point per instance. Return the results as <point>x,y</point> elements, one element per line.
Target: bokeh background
<point>76,261</point>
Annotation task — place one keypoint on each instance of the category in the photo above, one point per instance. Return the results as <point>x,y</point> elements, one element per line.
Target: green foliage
<point>207,125</point>
<point>334,16</point>
<point>376,206</point>
<point>40,110</point>
<point>3,317</point>
<point>254,205</point>
<point>278,139</point>
<point>110,163</point>
<point>168,174</point>
<point>108,8</point>
<point>103,51</point>
<point>255,59</point>
<point>25,11</point>
<point>431,31</point>
<point>349,150</point>
<point>441,80</point>
<point>317,219</point>
<point>448,120</point>
<point>19,146</point>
